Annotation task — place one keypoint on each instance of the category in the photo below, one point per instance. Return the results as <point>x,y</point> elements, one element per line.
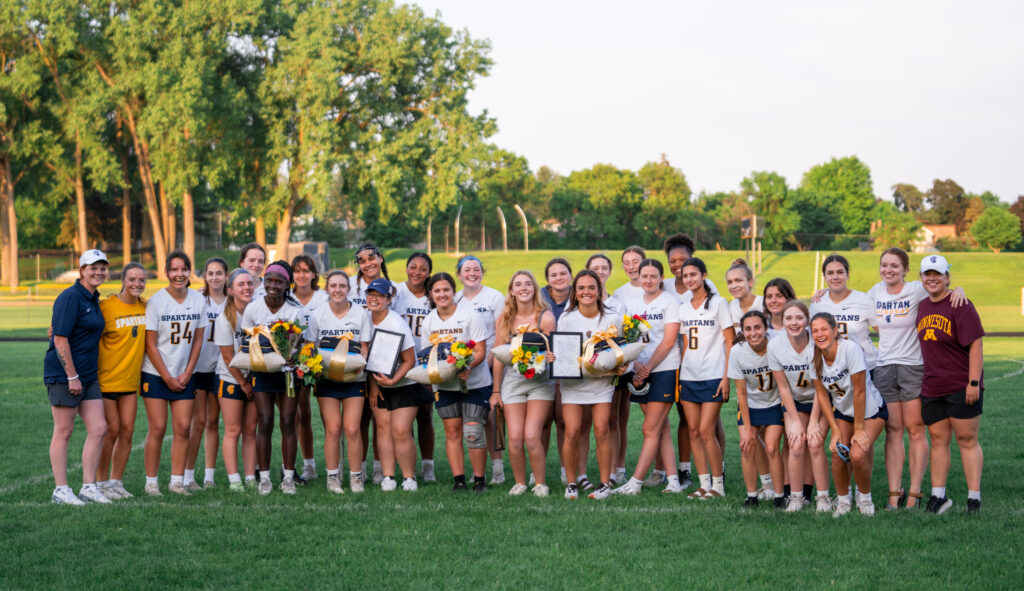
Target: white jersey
<point>413,309</point>
<point>854,315</point>
<point>745,364</point>
<point>259,290</point>
<point>223,336</point>
<point>703,342</point>
<point>394,323</point>
<point>797,366</point>
<point>628,292</point>
<point>685,296</point>
<point>465,326</point>
<point>488,305</point>
<point>614,306</point>
<point>316,302</point>
<point>210,353</point>
<point>838,382</point>
<point>663,310</point>
<point>587,390</point>
<point>736,311</point>
<point>896,317</point>
<point>325,323</point>
<point>357,291</point>
<point>258,314</point>
<point>175,325</point>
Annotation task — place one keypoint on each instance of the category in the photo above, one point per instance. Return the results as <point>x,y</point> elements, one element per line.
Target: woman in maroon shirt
<point>951,393</point>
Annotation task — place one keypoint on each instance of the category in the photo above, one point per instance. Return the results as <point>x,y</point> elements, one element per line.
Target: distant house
<point>929,235</point>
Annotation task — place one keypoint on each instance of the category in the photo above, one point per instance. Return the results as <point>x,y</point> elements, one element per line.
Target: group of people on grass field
<point>811,387</point>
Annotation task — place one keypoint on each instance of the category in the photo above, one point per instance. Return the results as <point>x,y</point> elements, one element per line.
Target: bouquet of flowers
<point>310,365</point>
<point>605,351</point>
<point>634,327</point>
<point>461,356</point>
<point>529,361</point>
<point>286,337</point>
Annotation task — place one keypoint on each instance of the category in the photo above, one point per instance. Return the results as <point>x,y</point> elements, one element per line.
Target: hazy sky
<point>917,90</point>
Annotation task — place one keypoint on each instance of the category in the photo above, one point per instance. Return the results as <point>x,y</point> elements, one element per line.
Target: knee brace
<point>473,434</point>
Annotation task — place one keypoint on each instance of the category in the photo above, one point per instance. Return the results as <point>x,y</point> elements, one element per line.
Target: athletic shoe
<point>355,483</point>
<point>236,487</point>
<point>265,486</point>
<point>672,488</point>
<point>459,485</point>
<point>308,472</point>
<point>362,477</point>
<point>66,496</point>
<point>108,490</point>
<point>388,484</point>
<point>697,494</point>
<point>628,489</point>
<point>795,504</point>
<point>541,490</point>
<point>122,493</point>
<point>288,486</point>
<point>153,489</point>
<point>939,506</point>
<point>842,507</point>
<point>498,476</point>
<point>208,484</point>
<point>517,489</point>
<point>684,479</point>
<point>334,484</point>
<point>90,493</point>
<point>428,473</point>
<point>866,506</point>
<point>655,480</point>
<point>479,485</point>
<point>823,504</point>
<point>779,502</point>
<point>252,484</point>
<point>765,494</point>
<point>751,502</point>
<point>193,487</point>
<point>178,488</point>
<point>584,484</point>
<point>378,475</point>
<point>410,485</point>
<point>602,492</point>
<point>973,506</point>
<point>619,478</point>
<point>571,491</point>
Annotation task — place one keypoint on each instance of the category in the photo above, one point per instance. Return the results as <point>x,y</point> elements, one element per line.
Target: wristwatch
<point>973,383</point>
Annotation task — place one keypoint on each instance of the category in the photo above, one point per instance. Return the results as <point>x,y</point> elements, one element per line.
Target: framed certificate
<point>567,347</point>
<point>385,352</point>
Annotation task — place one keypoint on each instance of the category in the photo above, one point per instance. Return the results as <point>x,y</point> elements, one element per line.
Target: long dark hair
<point>751,314</point>
<point>556,261</point>
<point>359,272</point>
<point>835,258</point>
<point>206,286</point>
<point>574,303</point>
<point>245,250</point>
<point>784,287</point>
<point>435,279</point>
<point>695,262</point>
<point>424,256</point>
<point>179,254</point>
<point>311,265</point>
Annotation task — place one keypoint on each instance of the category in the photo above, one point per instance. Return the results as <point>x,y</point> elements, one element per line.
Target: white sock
<point>797,495</point>
<point>177,479</point>
<point>354,474</point>
<point>635,481</point>
<point>779,495</point>
<point>309,462</point>
<point>498,465</point>
<point>863,496</point>
<point>581,477</point>
<point>620,470</point>
<point>427,463</point>
<point>822,493</point>
<point>751,495</point>
<point>563,473</point>
<point>723,465</point>
<point>705,481</point>
<point>377,466</point>
<point>939,491</point>
<point>845,497</point>
<point>190,476</point>
<point>673,479</point>
<point>289,474</point>
<point>332,472</point>
<point>718,483</point>
<point>64,488</point>
<point>250,477</point>
<point>152,479</point>
<point>233,478</point>
<point>264,475</point>
<point>209,474</point>
<point>766,480</point>
<point>657,473</point>
<point>974,494</point>
<point>684,466</point>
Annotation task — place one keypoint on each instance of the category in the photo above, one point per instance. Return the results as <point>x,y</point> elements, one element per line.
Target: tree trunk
<point>9,223</point>
<point>483,234</point>
<point>261,232</point>
<point>126,198</point>
<point>152,210</point>
<point>83,228</point>
<point>188,224</point>
<point>284,229</point>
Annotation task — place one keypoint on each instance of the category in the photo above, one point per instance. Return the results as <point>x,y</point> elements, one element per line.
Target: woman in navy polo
<point>71,377</point>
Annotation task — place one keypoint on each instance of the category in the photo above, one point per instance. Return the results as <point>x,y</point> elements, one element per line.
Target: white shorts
<point>516,389</point>
<point>577,395</point>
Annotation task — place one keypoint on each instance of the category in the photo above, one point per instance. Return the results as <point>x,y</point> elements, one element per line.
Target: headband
<point>468,257</point>
<point>279,270</point>
<point>355,257</point>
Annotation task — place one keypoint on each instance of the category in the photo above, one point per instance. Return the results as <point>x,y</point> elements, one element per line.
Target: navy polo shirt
<point>77,316</point>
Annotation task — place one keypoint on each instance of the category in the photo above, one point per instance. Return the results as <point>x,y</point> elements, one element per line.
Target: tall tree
<point>598,206</point>
<point>948,202</point>
<point>666,207</point>
<point>907,197</point>
<point>819,223</point>
<point>849,180</point>
<point>1017,209</point>
<point>769,196</point>
<point>997,229</point>
<point>898,228</point>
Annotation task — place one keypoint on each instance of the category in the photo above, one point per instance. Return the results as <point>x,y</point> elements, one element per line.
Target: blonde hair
<point>511,309</point>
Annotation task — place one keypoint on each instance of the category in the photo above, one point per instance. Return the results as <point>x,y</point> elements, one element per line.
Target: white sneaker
<point>428,473</point>
<point>497,476</point>
<point>842,507</point>
<point>388,484</point>
<point>766,493</point>
<point>410,485</point>
<point>121,491</point>
<point>378,476</point>
<point>266,486</point>
<point>517,490</point>
<point>178,488</point>
<point>602,492</point>
<point>672,488</point>
<point>334,484</point>
<point>109,490</point>
<point>288,486</point>
<point>866,506</point>
<point>541,490</point>
<point>822,504</point>
<point>571,492</point>
<point>153,489</point>
<point>794,504</point>
<point>629,489</point>
<point>193,487</point>
<point>308,472</point>
<point>655,480</point>
<point>90,493</point>
<point>207,484</point>
<point>66,496</point>
<point>236,487</point>
<point>355,483</point>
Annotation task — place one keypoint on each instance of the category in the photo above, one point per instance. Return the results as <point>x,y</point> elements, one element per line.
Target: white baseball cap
<point>934,262</point>
<point>92,256</point>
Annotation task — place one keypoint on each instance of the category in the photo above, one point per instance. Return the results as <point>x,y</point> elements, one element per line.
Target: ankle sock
<point>974,495</point>
<point>152,480</point>
<point>177,479</point>
<point>209,474</point>
<point>705,481</point>
<point>684,466</point>
<point>289,474</point>
<point>333,472</point>
<point>939,491</point>
<point>309,462</point>
<point>233,478</point>
<point>190,476</point>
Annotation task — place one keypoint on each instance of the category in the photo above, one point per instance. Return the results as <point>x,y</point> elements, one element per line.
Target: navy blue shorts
<point>480,396</point>
<point>154,387</point>
<point>662,388</point>
<point>762,417</point>
<point>883,413</point>
<point>116,395</point>
<point>270,382</point>
<point>206,380</point>
<point>406,396</point>
<point>701,392</point>
<point>340,390</point>
<point>804,407</point>
<point>230,391</point>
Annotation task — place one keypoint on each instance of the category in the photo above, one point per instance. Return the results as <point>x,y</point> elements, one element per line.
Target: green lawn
<point>435,539</point>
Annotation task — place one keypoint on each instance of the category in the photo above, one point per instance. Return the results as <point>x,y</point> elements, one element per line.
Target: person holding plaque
<point>394,399</point>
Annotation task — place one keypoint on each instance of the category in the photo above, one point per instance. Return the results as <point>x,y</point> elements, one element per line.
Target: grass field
<point>435,539</point>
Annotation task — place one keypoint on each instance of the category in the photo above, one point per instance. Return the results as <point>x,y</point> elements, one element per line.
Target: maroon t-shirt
<point>946,334</point>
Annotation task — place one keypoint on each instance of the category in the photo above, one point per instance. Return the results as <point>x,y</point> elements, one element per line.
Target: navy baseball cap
<point>380,285</point>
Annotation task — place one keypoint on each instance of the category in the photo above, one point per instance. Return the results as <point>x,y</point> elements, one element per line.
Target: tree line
<point>131,121</point>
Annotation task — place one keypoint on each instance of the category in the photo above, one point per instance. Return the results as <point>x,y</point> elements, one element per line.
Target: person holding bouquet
<point>463,404</point>
<point>234,390</point>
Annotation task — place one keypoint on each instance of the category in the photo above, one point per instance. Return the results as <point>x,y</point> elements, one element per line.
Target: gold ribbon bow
<point>256,352</point>
<point>433,371</point>
<point>607,336</point>
<point>517,339</point>
<point>525,328</point>
<point>336,365</point>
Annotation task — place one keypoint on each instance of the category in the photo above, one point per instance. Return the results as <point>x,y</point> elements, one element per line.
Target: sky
<point>916,90</point>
